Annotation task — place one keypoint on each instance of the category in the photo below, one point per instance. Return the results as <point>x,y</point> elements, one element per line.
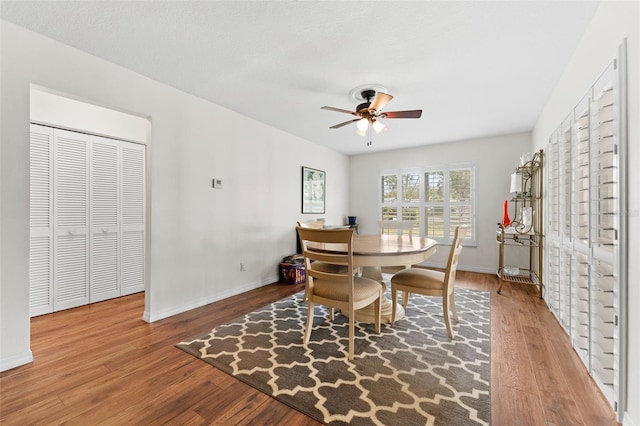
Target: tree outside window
<point>437,200</point>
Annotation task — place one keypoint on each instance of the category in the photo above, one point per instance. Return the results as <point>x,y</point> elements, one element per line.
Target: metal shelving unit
<point>525,231</point>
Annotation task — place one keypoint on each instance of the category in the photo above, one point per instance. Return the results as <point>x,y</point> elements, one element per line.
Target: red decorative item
<point>505,220</point>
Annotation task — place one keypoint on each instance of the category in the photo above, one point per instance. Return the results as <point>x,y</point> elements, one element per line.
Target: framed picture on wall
<point>313,194</point>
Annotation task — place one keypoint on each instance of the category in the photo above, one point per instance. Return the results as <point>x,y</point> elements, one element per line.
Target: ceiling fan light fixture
<point>377,126</point>
<point>362,125</point>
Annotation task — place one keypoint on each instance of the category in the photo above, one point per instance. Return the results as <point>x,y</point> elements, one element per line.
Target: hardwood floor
<point>101,364</point>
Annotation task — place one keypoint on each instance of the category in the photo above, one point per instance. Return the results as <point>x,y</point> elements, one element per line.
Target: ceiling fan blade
<point>415,113</point>
<point>380,101</point>
<point>338,110</point>
<point>345,123</point>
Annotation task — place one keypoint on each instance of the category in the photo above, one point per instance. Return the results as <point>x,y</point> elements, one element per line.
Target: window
<point>436,199</point>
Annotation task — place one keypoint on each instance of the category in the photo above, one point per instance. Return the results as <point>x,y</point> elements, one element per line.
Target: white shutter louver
<point>40,282</point>
<point>133,211</point>
<point>41,208</point>
<point>104,184</point>
<point>71,183</point>
<point>104,267</point>
<point>132,185</point>
<point>71,275</point>
<point>40,180</point>
<point>132,262</point>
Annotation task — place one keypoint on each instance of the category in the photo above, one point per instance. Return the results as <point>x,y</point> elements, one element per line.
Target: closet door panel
<point>104,282</point>
<point>133,214</point>
<point>132,262</point>
<point>71,263</point>
<point>71,281</point>
<point>105,207</point>
<point>41,221</point>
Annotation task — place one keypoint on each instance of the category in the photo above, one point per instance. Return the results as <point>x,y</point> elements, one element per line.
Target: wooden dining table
<point>373,252</point>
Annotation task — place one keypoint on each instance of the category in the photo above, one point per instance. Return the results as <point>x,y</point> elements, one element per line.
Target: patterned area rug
<point>409,374</point>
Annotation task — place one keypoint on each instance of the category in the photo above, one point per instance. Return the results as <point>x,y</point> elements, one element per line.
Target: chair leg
<point>307,329</point>
<point>405,299</point>
<point>378,308</point>
<point>452,302</point>
<point>394,294</point>
<point>447,315</point>
<point>331,314</point>
<point>351,333</point>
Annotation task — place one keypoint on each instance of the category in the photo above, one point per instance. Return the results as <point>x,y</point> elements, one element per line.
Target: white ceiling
<point>475,68</point>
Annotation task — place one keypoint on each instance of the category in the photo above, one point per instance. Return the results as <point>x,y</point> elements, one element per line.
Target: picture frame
<point>313,190</point>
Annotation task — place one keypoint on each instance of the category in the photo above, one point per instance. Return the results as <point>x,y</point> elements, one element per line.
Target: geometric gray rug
<point>409,374</point>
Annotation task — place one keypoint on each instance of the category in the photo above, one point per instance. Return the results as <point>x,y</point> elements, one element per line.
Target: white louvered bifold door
<point>133,218</point>
<point>104,258</point>
<point>41,221</point>
<point>71,214</point>
<point>87,211</point>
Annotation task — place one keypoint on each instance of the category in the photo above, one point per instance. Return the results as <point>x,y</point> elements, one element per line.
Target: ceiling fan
<point>369,112</point>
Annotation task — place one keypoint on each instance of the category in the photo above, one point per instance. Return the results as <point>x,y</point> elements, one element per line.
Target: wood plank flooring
<point>102,365</point>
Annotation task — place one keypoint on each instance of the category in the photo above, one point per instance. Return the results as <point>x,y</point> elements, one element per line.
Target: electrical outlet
<point>242,267</point>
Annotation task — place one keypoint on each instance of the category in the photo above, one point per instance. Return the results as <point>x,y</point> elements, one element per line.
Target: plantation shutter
<point>133,214</point>
<point>41,221</point>
<point>71,263</point>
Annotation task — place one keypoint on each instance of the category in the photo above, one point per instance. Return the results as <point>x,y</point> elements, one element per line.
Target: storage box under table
<point>292,273</point>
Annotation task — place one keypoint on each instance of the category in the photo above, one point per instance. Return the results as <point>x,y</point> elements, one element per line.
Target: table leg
<point>367,314</point>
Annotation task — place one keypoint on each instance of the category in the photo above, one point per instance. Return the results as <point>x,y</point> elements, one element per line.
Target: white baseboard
<point>146,316</point>
<point>462,268</point>
<point>16,361</point>
<point>627,421</point>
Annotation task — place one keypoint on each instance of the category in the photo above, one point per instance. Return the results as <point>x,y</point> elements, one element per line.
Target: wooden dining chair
<point>338,288</point>
<point>319,224</point>
<point>431,283</point>
<point>398,227</point>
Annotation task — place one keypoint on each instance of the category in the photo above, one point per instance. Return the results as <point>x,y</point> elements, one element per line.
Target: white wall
<point>613,22</point>
<point>495,159</point>
<point>197,235</point>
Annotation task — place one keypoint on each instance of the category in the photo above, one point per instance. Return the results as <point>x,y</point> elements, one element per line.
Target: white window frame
<point>422,204</point>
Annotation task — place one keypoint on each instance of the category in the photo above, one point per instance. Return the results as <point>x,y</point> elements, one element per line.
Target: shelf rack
<point>524,232</point>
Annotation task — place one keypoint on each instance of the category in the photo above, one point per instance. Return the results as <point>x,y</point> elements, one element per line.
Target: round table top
<point>381,245</point>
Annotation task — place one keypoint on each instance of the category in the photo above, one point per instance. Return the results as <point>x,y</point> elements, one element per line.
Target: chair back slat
<point>340,240</point>
<point>315,224</point>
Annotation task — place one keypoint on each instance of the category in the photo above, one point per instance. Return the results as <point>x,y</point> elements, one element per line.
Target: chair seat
<point>363,288</point>
<point>419,278</point>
